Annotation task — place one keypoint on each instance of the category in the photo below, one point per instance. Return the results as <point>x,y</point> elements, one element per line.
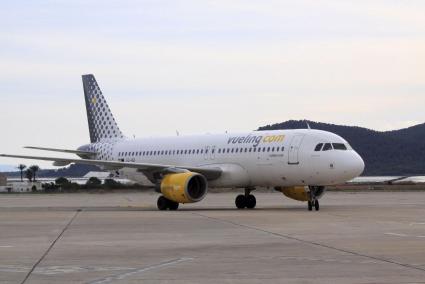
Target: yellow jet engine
<point>187,187</point>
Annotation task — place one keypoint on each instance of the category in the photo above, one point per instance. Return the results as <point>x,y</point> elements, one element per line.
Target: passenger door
<point>293,150</point>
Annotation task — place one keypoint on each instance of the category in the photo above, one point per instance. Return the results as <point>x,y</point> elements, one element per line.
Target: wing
<point>149,169</point>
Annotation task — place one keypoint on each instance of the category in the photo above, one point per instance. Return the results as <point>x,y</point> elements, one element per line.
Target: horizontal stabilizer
<point>78,152</point>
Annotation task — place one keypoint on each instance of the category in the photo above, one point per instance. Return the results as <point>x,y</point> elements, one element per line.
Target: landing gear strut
<point>313,202</point>
<point>246,200</point>
<point>164,204</point>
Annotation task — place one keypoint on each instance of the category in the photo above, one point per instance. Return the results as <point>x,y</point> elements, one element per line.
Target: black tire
<point>310,205</point>
<point>251,201</point>
<point>316,205</point>
<point>240,201</point>
<point>162,203</point>
<point>173,205</point>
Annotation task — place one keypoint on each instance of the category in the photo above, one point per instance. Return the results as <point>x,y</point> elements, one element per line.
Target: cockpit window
<point>318,147</point>
<point>339,146</point>
<point>327,147</point>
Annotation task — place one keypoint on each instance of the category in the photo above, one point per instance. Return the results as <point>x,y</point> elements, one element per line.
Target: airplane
<point>299,163</point>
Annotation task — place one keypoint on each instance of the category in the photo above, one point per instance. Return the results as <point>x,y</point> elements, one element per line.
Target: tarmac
<point>366,237</point>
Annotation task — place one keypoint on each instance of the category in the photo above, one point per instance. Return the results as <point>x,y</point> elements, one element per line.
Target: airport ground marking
<point>416,223</point>
<point>51,246</point>
<point>404,235</point>
<point>396,234</point>
<point>289,237</point>
<point>121,276</point>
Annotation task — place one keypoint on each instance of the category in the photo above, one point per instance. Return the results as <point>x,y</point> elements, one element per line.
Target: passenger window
<point>232,150</point>
<point>327,147</point>
<point>268,149</point>
<point>318,147</point>
<point>339,146</point>
<point>250,150</point>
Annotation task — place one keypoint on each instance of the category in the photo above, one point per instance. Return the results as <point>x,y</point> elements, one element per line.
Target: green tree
<point>111,184</point>
<point>93,182</point>
<point>34,169</point>
<point>29,175</point>
<point>21,168</point>
<point>61,181</point>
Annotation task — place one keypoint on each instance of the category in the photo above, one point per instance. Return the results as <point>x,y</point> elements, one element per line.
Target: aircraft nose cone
<point>358,165</point>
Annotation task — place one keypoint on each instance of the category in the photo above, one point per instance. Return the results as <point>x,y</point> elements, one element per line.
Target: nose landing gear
<point>246,200</point>
<point>315,193</point>
<point>314,203</point>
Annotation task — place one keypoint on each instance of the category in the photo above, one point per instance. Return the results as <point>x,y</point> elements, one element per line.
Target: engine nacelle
<point>185,187</point>
<point>302,193</point>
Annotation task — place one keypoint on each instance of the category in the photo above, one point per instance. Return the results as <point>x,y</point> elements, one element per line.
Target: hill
<point>397,152</point>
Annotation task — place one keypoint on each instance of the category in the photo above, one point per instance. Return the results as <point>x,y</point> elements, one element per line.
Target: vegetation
<point>29,175</point>
<point>398,152</point>
<point>34,169</point>
<point>93,184</point>
<point>21,168</point>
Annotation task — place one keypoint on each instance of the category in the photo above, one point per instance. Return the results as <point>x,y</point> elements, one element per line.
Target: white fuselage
<point>258,158</point>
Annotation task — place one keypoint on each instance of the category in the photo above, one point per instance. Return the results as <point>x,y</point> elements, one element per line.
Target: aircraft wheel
<point>162,203</point>
<point>316,205</point>
<point>251,201</point>
<point>173,205</point>
<point>240,201</point>
<point>310,205</point>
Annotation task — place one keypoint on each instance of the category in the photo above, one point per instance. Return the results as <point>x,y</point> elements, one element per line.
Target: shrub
<point>61,181</point>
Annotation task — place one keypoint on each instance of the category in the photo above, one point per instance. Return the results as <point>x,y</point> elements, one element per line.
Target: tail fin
<point>102,124</point>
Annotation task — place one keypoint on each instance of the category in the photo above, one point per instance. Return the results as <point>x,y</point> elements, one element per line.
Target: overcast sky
<point>207,66</point>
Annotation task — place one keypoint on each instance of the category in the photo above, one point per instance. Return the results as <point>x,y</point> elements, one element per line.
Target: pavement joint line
<point>51,246</point>
<point>121,276</point>
<point>313,243</point>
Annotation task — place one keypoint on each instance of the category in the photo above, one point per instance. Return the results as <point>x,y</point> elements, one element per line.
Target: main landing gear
<point>314,203</point>
<point>246,200</point>
<point>164,204</point>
